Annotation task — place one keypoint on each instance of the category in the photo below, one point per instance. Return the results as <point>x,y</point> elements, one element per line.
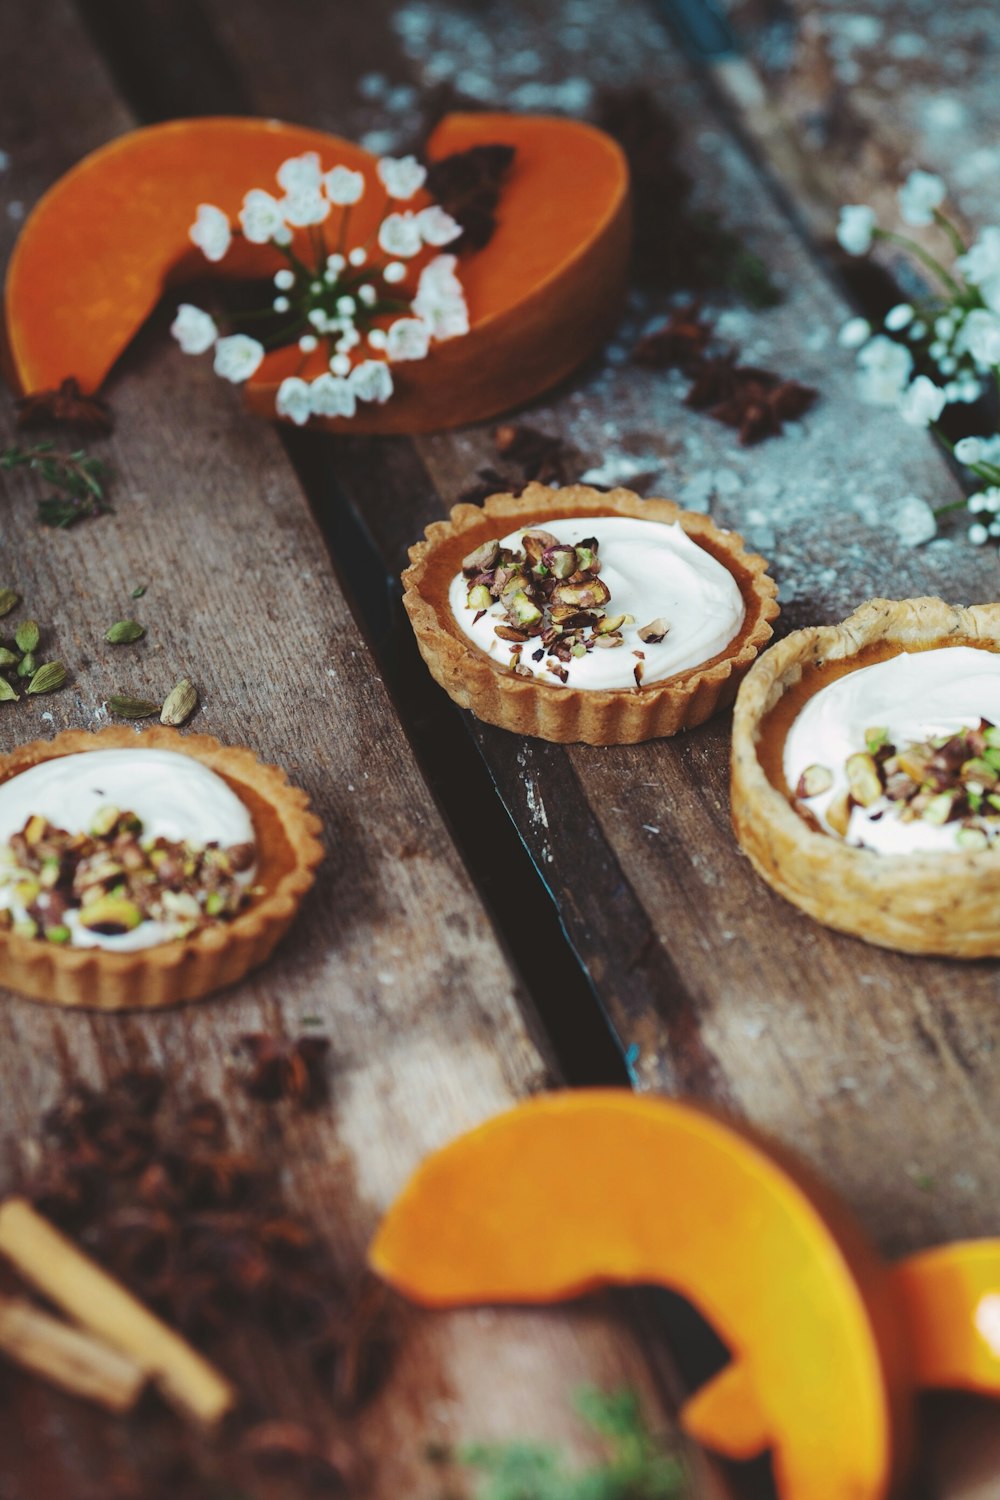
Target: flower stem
<point>958,244</point>
<point>922,255</point>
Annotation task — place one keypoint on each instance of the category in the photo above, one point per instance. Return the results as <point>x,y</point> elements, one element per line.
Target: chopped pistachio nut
<point>654,632</point>
<point>814,781</point>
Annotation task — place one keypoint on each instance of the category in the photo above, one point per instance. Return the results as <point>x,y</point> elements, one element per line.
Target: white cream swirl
<point>914,696</point>
<point>654,571</point>
<point>175,796</point>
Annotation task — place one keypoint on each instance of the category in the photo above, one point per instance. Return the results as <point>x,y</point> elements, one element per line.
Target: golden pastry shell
<point>917,903</point>
<point>563,714</point>
<point>289,851</point>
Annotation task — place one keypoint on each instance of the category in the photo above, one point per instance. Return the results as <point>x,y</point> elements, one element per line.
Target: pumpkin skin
<point>107,240</point>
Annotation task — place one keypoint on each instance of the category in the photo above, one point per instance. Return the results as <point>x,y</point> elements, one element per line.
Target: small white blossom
<point>978,534</point>
<point>261,217</point>
<point>308,342</point>
<point>885,369</point>
<point>283,236</point>
<point>922,402</point>
<point>349,339</point>
<point>281,304</point>
<point>210,232</point>
<point>948,365</point>
<point>305,206</point>
<point>318,318</point>
<point>856,228</point>
<point>855,332</point>
<point>440,299</point>
<point>437,227</point>
<point>193,329</point>
<point>332,397</point>
<point>399,235</point>
<point>980,265</point>
<point>237,357</point>
<point>395,271</point>
<point>284,280</point>
<point>301,174</point>
<point>993,500</point>
<point>358,256</point>
<point>980,336</point>
<point>335,264</point>
<point>367,295</point>
<point>378,338</point>
<point>340,364</point>
<point>371,381</point>
<point>346,307</point>
<point>977,503</point>
<point>293,400</point>
<point>343,186</point>
<point>899,317</point>
<point>969,390</point>
<point>920,195</point>
<point>408,338</point>
<point>917,331</point>
<point>912,520</point>
<point>969,450</point>
<point>944,326</point>
<point>938,349</point>
<point>401,176</point>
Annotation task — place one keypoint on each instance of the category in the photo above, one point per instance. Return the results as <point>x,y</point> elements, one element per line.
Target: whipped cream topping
<point>654,571</point>
<point>175,796</point>
<point>915,696</point>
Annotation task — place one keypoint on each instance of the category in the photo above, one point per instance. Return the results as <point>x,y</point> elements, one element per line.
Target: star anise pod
<point>287,1070</point>
<point>681,340</point>
<point>68,405</point>
<point>490,482</point>
<point>540,456</point>
<point>755,401</point>
<point>468,185</point>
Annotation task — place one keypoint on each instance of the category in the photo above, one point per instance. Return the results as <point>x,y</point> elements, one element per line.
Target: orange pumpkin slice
<point>101,247</point>
<point>951,1298</point>
<point>570,1192</point>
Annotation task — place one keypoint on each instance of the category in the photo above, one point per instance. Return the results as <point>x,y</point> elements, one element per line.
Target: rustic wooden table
<point>496,915</point>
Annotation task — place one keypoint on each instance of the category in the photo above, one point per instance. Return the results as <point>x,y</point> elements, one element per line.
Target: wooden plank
<point>393,954</point>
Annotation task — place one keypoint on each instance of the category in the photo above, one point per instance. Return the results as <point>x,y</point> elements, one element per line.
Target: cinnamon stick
<point>68,1358</point>
<point>95,1300</point>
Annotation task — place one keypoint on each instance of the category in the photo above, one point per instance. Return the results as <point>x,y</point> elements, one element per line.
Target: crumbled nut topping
<point>947,779</point>
<point>113,879</point>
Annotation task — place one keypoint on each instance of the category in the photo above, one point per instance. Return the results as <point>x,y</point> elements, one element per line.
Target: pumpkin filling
<point>76,869</point>
<point>899,756</point>
<point>597,602</point>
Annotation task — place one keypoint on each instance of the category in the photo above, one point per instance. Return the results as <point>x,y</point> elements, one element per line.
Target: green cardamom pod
<point>124,632</point>
<point>27,635</point>
<point>179,704</point>
<point>7,693</point>
<point>8,658</point>
<point>27,666</point>
<point>48,679</point>
<point>132,708</point>
<point>8,600</point>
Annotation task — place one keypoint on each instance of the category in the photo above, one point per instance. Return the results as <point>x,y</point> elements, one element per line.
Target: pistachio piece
<point>814,781</point>
<point>538,534</point>
<point>58,934</point>
<point>8,600</point>
<point>979,770</point>
<point>654,632</point>
<point>48,679</point>
<point>838,814</point>
<point>507,633</point>
<point>179,704</point>
<point>939,808</point>
<point>104,821</point>
<point>483,558</point>
<point>972,838</point>
<point>863,779</point>
<point>111,916</point>
<point>876,739</point>
<point>132,708</point>
<point>27,635</point>
<point>604,642</point>
<point>609,624</point>
<point>479,597</point>
<point>991,736</point>
<point>524,611</point>
<point>124,632</point>
<point>586,556</point>
<point>589,595</point>
<point>560,560</point>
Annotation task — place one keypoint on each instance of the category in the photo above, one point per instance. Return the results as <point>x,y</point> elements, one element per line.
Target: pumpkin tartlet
<point>233,931</point>
<point>495,616</point>
<point>899,843</point>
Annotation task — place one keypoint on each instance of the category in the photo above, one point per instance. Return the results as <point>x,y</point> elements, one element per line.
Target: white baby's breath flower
<point>346,307</point>
<point>358,256</point>
<point>899,317</point>
<point>261,217</point>
<point>855,332</point>
<point>440,299</point>
<point>349,339</point>
<point>237,357</point>
<point>401,176</point>
<point>922,402</point>
<point>340,364</point>
<point>399,235</point>
<point>284,279</point>
<point>371,381</point>
<point>308,342</point>
<point>980,265</point>
<point>301,174</point>
<point>856,228</point>
<point>318,318</point>
<point>437,227</point>
<point>885,369</point>
<point>293,400</point>
<point>305,206</point>
<point>916,331</point>
<point>978,534</point>
<point>378,338</point>
<point>335,264</point>
<point>283,236</point>
<point>343,186</point>
<point>210,232</point>
<point>969,450</point>
<point>395,271</point>
<point>408,338</point>
<point>332,397</point>
<point>920,195</point>
<point>193,329</point>
<point>367,295</point>
<point>980,336</point>
<point>281,304</point>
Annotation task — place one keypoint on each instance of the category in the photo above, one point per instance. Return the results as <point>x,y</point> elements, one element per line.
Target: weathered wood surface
<point>393,957</point>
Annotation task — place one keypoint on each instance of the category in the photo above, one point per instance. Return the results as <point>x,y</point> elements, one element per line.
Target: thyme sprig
<point>79,479</point>
<point>639,1464</point>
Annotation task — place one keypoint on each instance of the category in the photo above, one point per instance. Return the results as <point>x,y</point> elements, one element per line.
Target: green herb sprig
<point>79,480</point>
<point>639,1464</point>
